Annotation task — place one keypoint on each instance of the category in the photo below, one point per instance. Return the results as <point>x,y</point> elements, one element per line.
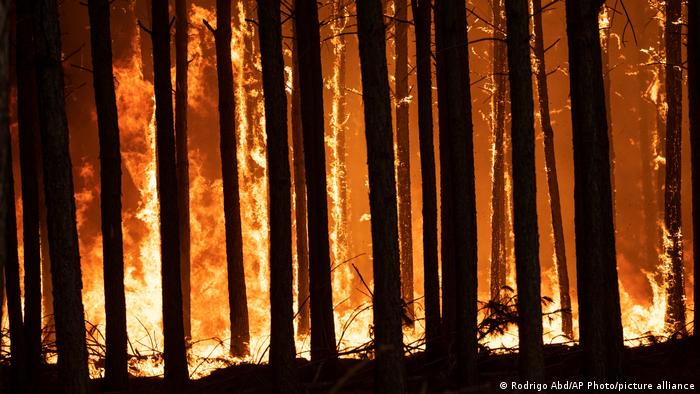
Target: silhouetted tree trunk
<point>675,309</point>
<point>28,123</point>
<point>5,147</point>
<point>173,330</point>
<point>694,102</point>
<point>58,186</point>
<point>116,373</point>
<point>282,353</point>
<point>457,191</point>
<point>18,378</point>
<point>183,177</point>
<point>527,260</point>
<point>238,301</point>
<point>551,170</point>
<point>431,280</point>
<point>499,221</point>
<point>300,202</point>
<point>307,34</point>
<point>598,295</point>
<point>388,341</point>
<point>342,17</point>
<point>403,156</point>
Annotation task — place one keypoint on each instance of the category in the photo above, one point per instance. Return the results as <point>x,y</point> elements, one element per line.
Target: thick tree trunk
<point>431,279</point>
<point>403,156</point>
<point>116,373</point>
<point>183,177</point>
<point>499,221</point>
<point>551,170</point>
<point>457,191</point>
<point>527,261</point>
<point>174,353</point>
<point>58,186</point>
<point>5,147</point>
<point>28,122</point>
<point>694,102</point>
<point>673,242</point>
<point>598,295</point>
<point>300,202</point>
<point>389,372</point>
<point>238,301</point>
<point>311,88</point>
<point>282,353</point>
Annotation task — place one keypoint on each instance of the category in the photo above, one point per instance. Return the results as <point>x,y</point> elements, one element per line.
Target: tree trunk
<point>282,352</point>
<point>673,242</point>
<point>58,186</point>
<point>300,202</point>
<point>403,156</point>
<point>5,147</point>
<point>604,29</point>
<point>174,353</point>
<point>551,171</point>
<point>694,102</point>
<point>29,160</point>
<point>431,279</point>
<point>308,38</point>
<point>116,373</point>
<point>527,261</point>
<point>499,220</point>
<point>389,370</point>
<point>457,191</point>
<point>183,177</point>
<point>598,295</point>
<point>238,301</point>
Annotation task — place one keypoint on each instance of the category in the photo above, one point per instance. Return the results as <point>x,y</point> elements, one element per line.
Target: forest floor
<point>674,362</point>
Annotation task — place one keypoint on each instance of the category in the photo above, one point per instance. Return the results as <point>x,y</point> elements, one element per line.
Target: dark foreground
<point>673,362</point>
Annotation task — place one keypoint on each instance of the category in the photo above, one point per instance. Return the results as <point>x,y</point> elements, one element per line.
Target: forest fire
<point>649,259</point>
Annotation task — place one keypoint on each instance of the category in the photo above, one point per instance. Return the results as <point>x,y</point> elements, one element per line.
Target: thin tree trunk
<point>307,34</point>
<point>694,102</point>
<point>386,264</point>
<point>174,353</point>
<point>29,160</point>
<point>403,155</point>
<point>431,279</point>
<point>499,225</point>
<point>342,16</point>
<point>675,310</point>
<point>458,208</point>
<point>607,83</point>
<point>551,171</point>
<point>282,352</point>
<point>46,280</point>
<point>598,295</point>
<point>527,261</point>
<point>116,373</point>
<point>300,202</point>
<point>238,301</point>
<point>183,185</point>
<point>58,186</point>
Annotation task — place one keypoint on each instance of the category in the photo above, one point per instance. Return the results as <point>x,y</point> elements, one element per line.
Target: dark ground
<point>674,361</point>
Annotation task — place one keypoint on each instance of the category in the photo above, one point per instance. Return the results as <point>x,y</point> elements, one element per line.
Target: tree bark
<point>403,156</point>
<point>238,301</point>
<point>58,186</point>
<point>551,170</point>
<point>5,147</point>
<point>673,242</point>
<point>308,39</point>
<point>527,261</point>
<point>457,191</point>
<point>28,123</point>
<point>116,373</point>
<point>183,176</point>
<point>386,264</point>
<point>282,352</point>
<point>174,353</point>
<point>431,279</point>
<point>598,295</point>
<point>300,202</point>
<point>499,221</point>
<point>694,102</point>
